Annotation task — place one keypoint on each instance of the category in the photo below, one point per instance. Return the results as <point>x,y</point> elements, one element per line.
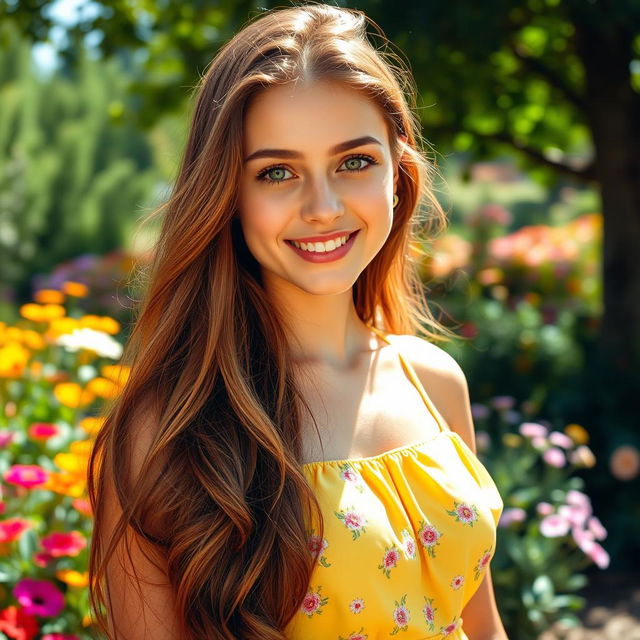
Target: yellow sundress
<point>409,534</point>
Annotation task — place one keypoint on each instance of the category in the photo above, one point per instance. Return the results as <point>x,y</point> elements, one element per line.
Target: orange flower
<point>117,372</point>
<point>625,463</point>
<point>49,296</point>
<point>73,578</point>
<point>103,388</point>
<point>577,433</point>
<point>71,394</point>
<point>100,323</point>
<point>92,424</point>
<point>33,339</point>
<point>13,360</point>
<point>61,326</point>
<point>75,289</point>
<point>66,484</point>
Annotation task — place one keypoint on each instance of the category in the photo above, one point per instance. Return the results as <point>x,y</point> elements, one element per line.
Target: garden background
<point>533,112</point>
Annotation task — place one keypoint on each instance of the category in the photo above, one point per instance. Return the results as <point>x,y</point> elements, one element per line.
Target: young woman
<point>275,467</point>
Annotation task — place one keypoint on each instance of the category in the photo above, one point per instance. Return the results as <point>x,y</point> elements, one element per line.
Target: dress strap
<point>413,376</point>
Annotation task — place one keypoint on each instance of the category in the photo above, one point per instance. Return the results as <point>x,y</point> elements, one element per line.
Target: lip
<point>326,237</point>
<point>326,256</point>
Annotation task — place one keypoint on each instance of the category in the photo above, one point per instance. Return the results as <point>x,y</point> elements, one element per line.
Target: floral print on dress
<point>429,613</point>
<point>482,563</point>
<point>401,616</point>
<point>356,605</point>
<point>353,520</point>
<point>429,536</point>
<point>316,546</point>
<point>357,635</point>
<point>457,582</point>
<point>408,544</point>
<point>350,475</point>
<point>313,602</point>
<point>389,560</point>
<point>450,628</point>
<point>463,512</point>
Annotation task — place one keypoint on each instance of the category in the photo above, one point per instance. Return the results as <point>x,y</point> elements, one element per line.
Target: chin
<point>324,288</point>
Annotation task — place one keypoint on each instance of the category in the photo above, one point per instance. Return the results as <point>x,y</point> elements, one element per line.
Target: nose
<point>322,204</point>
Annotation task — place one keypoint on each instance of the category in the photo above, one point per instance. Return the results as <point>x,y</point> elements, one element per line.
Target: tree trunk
<point>614,115</point>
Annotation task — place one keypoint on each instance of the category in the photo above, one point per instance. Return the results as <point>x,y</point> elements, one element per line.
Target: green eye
<point>354,163</point>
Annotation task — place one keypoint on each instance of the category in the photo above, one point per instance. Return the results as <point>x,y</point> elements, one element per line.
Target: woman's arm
<point>447,387</point>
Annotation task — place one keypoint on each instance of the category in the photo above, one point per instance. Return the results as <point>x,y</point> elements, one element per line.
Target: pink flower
<point>554,457</point>
<point>12,528</point>
<point>544,509</point>
<point>457,582</point>
<point>560,440</point>
<point>391,558</point>
<point>540,443</point>
<point>39,597</point>
<point>595,526</point>
<point>410,547</point>
<point>598,554</point>
<point>554,526</point>
<point>502,403</point>
<point>26,475</point>
<point>60,636</point>
<point>429,613</point>
<point>466,513</point>
<point>353,520</point>
<point>429,535</point>
<point>576,514</point>
<point>509,516</point>
<point>311,603</point>
<point>449,629</point>
<point>356,605</point>
<point>349,475</point>
<point>64,544</point>
<point>6,437</point>
<point>583,538</point>
<point>533,430</point>
<point>41,559</point>
<point>578,498</point>
<point>401,616</point>
<point>42,430</point>
<point>317,545</point>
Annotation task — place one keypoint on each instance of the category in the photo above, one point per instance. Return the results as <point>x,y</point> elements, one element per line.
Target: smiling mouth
<point>322,247</point>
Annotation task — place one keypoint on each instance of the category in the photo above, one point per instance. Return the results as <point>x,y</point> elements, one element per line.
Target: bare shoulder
<point>444,381</point>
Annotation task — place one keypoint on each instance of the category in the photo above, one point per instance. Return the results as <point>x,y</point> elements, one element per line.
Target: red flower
<point>17,624</point>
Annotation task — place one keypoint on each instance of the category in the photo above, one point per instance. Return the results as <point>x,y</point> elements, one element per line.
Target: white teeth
<point>321,247</point>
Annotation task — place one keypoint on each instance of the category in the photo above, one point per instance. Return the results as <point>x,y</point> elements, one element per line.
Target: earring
<point>395,200</point>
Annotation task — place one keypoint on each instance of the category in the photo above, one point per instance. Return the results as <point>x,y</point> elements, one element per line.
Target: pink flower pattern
<point>313,602</point>
<point>408,544</point>
<point>351,476</point>
<point>429,612</point>
<point>457,582</point>
<point>353,520</point>
<point>390,560</point>
<point>316,546</point>
<point>463,512</point>
<point>429,536</point>
<point>482,563</point>
<point>356,635</point>
<point>356,605</point>
<point>401,616</point>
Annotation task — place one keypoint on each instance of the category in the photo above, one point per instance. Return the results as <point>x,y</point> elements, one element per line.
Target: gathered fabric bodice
<point>408,538</point>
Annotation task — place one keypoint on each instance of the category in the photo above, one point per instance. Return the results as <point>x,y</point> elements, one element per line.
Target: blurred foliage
<point>72,172</point>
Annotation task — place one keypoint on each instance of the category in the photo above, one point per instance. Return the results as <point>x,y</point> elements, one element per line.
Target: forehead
<point>313,116</point>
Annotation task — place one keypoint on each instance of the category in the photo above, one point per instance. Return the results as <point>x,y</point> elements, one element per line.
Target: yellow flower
<point>117,372</point>
<point>73,578</point>
<point>103,388</point>
<point>91,424</point>
<point>75,289</point>
<point>32,311</point>
<point>100,323</point>
<point>577,433</point>
<point>61,326</point>
<point>71,394</point>
<point>33,339</point>
<point>13,360</point>
<point>66,484</point>
<point>49,296</point>
<point>512,439</point>
<point>81,448</point>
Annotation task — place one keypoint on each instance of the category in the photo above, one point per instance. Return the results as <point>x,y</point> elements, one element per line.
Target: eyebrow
<point>288,153</point>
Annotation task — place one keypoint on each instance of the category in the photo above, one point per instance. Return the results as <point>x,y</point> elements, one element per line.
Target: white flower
<point>99,341</point>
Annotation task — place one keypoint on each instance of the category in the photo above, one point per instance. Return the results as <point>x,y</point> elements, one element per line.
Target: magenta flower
<point>533,430</point>
<point>60,636</point>
<point>560,440</point>
<point>509,516</point>
<point>42,430</point>
<point>554,457</point>
<point>39,597</point>
<point>63,544</point>
<point>26,475</point>
<point>554,526</point>
<point>12,528</point>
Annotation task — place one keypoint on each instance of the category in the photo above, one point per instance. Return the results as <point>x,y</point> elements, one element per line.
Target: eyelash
<point>262,175</point>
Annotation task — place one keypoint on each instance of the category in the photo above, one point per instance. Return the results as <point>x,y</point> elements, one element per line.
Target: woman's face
<point>317,171</point>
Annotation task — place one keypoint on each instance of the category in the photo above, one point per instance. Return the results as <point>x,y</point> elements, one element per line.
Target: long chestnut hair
<point>211,351</point>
